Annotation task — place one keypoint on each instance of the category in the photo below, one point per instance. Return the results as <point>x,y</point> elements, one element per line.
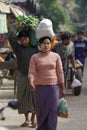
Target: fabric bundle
<point>45,29</point>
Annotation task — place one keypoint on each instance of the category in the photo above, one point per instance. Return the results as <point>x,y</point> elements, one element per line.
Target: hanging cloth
<point>3,23</point>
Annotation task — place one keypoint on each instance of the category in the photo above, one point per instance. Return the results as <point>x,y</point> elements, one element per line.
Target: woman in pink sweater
<point>46,79</point>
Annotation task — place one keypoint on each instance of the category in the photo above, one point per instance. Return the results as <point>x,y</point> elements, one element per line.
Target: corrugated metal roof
<point>17,0</point>
<point>7,7</point>
<point>4,8</point>
<point>14,0</point>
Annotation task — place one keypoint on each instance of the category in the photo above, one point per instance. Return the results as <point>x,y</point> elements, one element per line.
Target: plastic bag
<point>62,108</point>
<point>75,83</point>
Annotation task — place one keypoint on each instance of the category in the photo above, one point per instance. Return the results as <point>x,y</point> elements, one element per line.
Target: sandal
<point>34,124</point>
<point>25,124</point>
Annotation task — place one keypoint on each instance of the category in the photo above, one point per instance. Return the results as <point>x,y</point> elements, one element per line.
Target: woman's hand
<point>62,91</point>
<point>31,86</point>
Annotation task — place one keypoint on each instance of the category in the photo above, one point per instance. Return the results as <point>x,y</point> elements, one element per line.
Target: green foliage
<point>82,4</point>
<point>65,13</point>
<point>47,3</point>
<point>81,11</point>
<point>57,15</point>
<point>67,27</point>
<point>54,12</point>
<point>29,22</point>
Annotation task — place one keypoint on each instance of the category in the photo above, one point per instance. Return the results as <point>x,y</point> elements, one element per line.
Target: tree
<point>81,11</point>
<point>54,11</point>
<point>47,3</point>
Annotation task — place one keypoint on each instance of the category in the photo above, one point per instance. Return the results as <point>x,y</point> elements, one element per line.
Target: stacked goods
<point>30,24</point>
<point>27,22</point>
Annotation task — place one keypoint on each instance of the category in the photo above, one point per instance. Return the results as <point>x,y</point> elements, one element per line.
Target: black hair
<point>65,35</point>
<point>43,38</point>
<point>23,33</point>
<point>80,32</point>
<point>73,35</point>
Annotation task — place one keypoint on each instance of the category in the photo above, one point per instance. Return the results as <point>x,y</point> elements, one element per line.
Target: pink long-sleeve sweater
<point>46,69</point>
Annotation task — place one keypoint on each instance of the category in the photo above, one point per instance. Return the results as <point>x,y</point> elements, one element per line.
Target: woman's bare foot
<point>25,124</point>
<point>33,123</point>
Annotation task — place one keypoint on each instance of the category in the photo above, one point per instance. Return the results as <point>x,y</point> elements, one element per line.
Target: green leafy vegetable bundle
<point>28,22</point>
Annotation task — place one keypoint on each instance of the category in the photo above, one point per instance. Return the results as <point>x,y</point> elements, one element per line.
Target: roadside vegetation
<point>67,15</point>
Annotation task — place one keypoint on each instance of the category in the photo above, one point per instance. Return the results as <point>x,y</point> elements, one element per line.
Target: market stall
<point>12,15</point>
<point>7,17</point>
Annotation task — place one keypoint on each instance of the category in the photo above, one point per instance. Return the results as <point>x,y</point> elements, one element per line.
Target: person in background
<point>59,36</point>
<point>46,80</point>
<point>54,42</point>
<point>23,50</point>
<point>80,45</point>
<point>66,51</point>
<point>73,37</point>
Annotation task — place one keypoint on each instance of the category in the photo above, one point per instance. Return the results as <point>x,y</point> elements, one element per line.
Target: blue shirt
<point>80,49</point>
